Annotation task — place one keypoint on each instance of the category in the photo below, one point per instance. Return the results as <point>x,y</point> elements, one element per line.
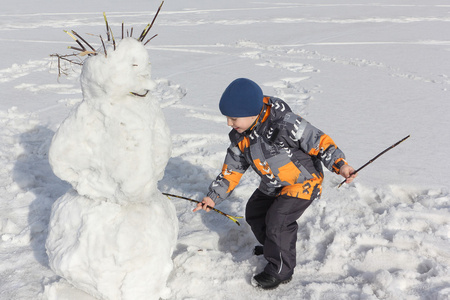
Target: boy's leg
<point>255,213</point>
<point>281,235</point>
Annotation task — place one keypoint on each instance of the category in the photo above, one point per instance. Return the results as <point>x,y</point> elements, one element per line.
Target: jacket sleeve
<point>309,139</point>
<point>233,168</point>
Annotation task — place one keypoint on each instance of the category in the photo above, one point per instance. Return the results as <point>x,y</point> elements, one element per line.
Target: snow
<point>367,73</point>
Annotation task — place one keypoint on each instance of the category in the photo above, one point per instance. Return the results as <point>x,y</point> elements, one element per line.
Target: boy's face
<point>241,124</point>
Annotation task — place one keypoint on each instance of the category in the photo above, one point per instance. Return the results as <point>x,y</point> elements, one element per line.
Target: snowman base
<point>113,251</point>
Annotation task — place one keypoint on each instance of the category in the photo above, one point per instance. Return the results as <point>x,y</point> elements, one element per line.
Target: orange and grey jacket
<point>285,150</point>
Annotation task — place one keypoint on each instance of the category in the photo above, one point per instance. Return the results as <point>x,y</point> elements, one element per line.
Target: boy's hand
<point>207,201</point>
<point>347,171</point>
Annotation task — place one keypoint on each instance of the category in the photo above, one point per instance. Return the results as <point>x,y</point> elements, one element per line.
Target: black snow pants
<point>273,221</point>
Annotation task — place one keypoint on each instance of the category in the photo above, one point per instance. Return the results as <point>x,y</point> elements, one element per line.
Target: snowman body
<point>113,234</point>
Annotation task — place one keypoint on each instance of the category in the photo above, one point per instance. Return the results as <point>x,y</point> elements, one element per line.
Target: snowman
<point>112,235</point>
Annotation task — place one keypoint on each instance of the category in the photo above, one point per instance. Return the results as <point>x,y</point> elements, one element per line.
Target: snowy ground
<point>366,73</point>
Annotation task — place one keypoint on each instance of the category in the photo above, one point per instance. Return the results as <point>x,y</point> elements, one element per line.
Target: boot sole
<point>272,287</point>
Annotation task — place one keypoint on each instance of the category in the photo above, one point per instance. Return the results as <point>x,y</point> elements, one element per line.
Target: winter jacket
<point>285,150</point>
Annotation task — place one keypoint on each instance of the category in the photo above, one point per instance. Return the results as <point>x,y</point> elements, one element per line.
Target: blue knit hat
<point>242,98</point>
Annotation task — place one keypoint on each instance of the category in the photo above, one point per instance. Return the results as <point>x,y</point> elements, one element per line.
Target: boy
<point>287,153</point>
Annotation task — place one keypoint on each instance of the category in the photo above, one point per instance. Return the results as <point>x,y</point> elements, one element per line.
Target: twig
<point>143,33</point>
<point>233,218</point>
<point>150,39</point>
<point>110,35</point>
<point>89,45</point>
<point>76,40</point>
<point>75,48</point>
<point>107,26</point>
<point>64,57</point>
<point>87,52</point>
<point>104,48</point>
<point>113,39</point>
<point>149,26</point>
<point>59,66</point>
<point>370,161</point>
<point>140,95</point>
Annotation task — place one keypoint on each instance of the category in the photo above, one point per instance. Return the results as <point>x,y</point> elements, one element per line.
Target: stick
<point>233,218</point>
<point>113,39</point>
<point>64,57</point>
<point>77,35</point>
<point>75,48</point>
<point>104,48</point>
<point>150,39</point>
<point>149,26</point>
<point>141,37</point>
<point>140,95</point>
<point>76,40</point>
<point>107,26</point>
<point>370,161</point>
<point>59,66</point>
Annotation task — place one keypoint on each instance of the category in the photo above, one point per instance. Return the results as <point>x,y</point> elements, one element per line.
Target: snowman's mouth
<point>140,95</point>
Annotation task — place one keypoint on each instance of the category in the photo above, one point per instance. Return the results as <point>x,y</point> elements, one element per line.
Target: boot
<point>267,281</point>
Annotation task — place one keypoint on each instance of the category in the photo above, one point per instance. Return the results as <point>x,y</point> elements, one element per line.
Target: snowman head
<point>118,73</point>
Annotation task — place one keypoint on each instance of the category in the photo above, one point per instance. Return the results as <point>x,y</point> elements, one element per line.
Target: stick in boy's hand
<point>207,207</point>
<point>206,204</point>
<point>370,161</point>
<point>348,173</point>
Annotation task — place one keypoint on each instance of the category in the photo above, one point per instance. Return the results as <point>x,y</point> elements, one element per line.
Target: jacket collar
<point>262,117</point>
